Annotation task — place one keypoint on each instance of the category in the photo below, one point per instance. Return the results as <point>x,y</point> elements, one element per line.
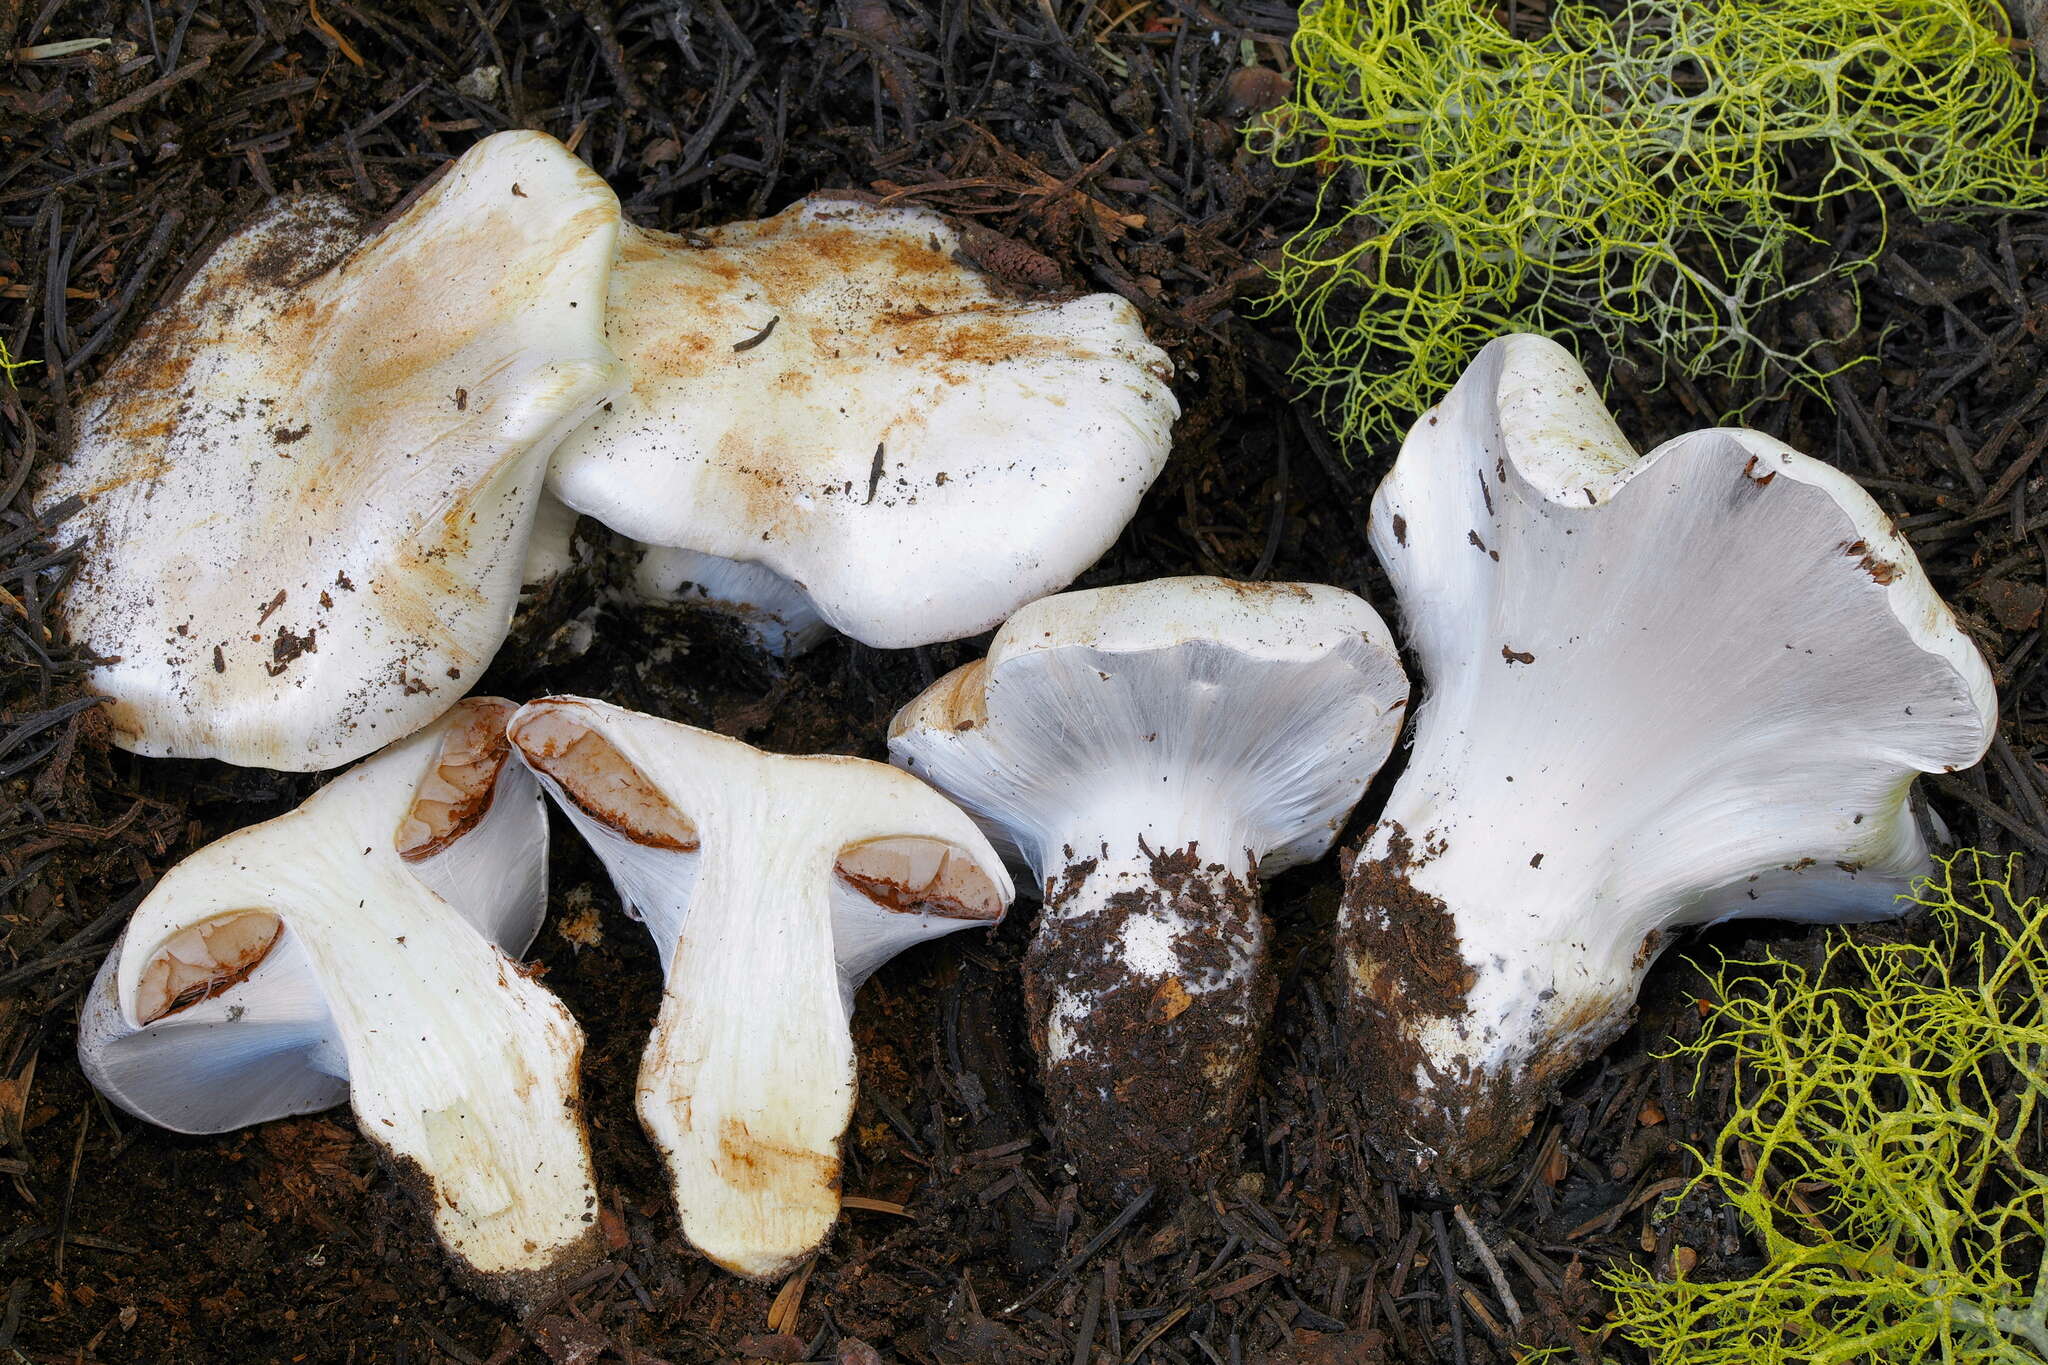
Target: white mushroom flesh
<point>748,1079</point>
<point>307,960</point>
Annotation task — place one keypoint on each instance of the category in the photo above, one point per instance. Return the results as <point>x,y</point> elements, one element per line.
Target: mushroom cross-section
<point>772,886</point>
<point>309,482</point>
<point>1151,751</point>
<point>359,948</point>
<point>832,395</point>
<point>1658,692</point>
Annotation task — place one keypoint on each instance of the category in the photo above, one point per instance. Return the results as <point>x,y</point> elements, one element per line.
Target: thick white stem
<point>746,1090</point>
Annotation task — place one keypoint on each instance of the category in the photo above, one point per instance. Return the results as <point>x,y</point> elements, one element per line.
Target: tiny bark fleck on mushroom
<point>875,470</point>
<point>757,338</point>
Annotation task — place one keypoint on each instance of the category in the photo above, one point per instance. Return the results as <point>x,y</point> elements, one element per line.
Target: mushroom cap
<point>771,884</point>
<point>1740,611</point>
<point>1265,707</point>
<point>1658,692</point>
<point>315,947</point>
<point>309,482</point>
<point>832,394</point>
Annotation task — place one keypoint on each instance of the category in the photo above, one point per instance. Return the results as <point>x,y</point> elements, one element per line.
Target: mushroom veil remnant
<point>362,948</point>
<point>1658,692</point>
<point>1151,751</point>
<point>777,613</point>
<point>773,886</point>
<point>830,395</point>
<point>308,484</point>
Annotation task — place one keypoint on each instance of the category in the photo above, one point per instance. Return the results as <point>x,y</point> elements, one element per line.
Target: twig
<point>1081,1257</point>
<point>128,104</point>
<point>1493,1270</point>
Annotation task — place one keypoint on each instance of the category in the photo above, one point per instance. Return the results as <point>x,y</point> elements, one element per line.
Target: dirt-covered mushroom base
<point>1148,1077</point>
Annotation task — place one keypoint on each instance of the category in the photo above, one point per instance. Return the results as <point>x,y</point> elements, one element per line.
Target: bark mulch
<point>1089,145</point>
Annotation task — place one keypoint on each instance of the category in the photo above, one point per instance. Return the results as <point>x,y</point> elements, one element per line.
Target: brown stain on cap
<point>958,701</point>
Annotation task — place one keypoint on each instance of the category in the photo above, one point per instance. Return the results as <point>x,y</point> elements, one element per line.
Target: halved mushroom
<point>831,395</point>
<point>363,948</point>
<point>1660,692</point>
<point>1151,751</point>
<point>773,886</point>
<point>309,483</point>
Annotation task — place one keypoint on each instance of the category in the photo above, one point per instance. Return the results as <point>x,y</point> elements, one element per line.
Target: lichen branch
<point>1880,1149</point>
<point>1642,172</point>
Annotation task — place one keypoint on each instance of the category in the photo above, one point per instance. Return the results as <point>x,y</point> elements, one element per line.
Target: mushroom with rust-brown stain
<point>286,424</point>
<point>772,886</point>
<point>911,451</point>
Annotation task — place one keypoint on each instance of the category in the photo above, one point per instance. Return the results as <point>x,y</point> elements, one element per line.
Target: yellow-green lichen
<point>1639,172</point>
<point>1888,1109</point>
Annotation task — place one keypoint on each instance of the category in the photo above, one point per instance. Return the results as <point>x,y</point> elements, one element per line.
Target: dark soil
<point>1093,146</point>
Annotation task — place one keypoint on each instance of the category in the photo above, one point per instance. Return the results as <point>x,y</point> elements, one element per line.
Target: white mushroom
<point>1659,692</point>
<point>773,886</point>
<point>310,481</point>
<point>1152,751</point>
<point>363,948</point>
<point>777,613</point>
<point>831,395</point>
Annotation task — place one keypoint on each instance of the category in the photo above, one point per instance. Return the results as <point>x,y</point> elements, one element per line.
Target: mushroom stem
<point>747,1104</point>
<point>777,612</point>
<point>1405,957</point>
<point>1148,987</point>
